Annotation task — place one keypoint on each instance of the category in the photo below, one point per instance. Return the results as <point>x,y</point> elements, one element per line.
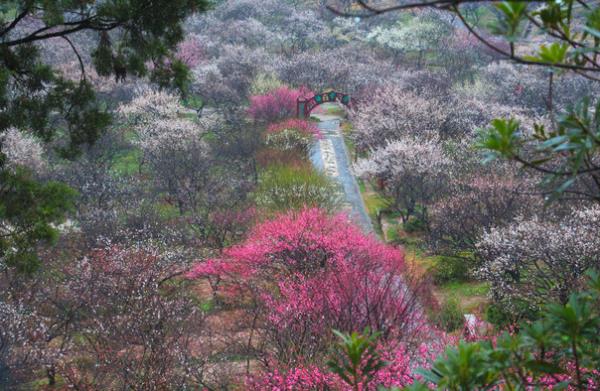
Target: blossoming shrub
<point>533,260</point>
<point>397,370</point>
<point>299,378</point>
<point>309,273</point>
<point>292,134</point>
<point>287,187</point>
<point>275,105</point>
<point>22,149</point>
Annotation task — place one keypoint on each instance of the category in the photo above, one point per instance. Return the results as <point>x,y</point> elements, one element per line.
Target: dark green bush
<point>414,225</point>
<point>447,269</point>
<point>450,316</point>
<point>502,317</point>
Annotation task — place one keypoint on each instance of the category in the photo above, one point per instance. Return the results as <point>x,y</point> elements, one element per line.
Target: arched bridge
<point>304,106</point>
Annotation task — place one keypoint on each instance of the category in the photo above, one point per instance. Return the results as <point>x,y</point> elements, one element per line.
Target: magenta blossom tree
<point>276,105</point>
<point>307,273</point>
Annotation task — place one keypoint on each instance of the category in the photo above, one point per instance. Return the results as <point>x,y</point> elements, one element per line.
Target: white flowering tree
<point>173,147</point>
<point>228,78</point>
<point>22,150</point>
<point>537,260</point>
<point>418,35</point>
<point>412,173</point>
<point>392,112</point>
<point>18,328</point>
<point>476,201</point>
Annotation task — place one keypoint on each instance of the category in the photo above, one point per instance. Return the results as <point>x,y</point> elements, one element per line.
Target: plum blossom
<point>22,149</point>
<point>538,259</point>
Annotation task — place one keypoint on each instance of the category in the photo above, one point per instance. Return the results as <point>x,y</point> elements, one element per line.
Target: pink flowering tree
<point>190,51</point>
<point>275,105</point>
<point>362,364</point>
<point>308,273</point>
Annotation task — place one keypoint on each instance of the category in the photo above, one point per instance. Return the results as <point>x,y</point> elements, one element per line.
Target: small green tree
<point>356,359</point>
<point>281,188</point>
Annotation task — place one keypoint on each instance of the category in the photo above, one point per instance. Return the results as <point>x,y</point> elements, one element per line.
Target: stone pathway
<point>331,155</point>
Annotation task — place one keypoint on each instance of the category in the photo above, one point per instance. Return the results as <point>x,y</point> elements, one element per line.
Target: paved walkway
<point>331,155</point>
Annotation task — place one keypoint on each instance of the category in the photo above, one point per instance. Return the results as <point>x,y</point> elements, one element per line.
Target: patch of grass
<point>206,305</point>
<point>193,102</point>
<point>374,203</point>
<point>466,289</point>
<point>127,162</point>
<point>361,185</point>
<point>336,110</point>
<point>450,316</point>
<point>167,211</point>
<point>416,256</point>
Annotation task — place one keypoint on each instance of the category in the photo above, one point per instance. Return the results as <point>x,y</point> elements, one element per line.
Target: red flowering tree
<point>308,273</point>
<point>276,105</point>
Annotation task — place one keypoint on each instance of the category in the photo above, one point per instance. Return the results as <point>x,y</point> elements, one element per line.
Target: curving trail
<point>331,155</point>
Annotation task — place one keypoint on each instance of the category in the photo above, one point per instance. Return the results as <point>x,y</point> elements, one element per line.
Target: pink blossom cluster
<point>276,105</point>
<point>397,373</point>
<point>302,242</point>
<point>299,125</point>
<point>311,272</point>
<point>299,378</point>
<point>190,51</point>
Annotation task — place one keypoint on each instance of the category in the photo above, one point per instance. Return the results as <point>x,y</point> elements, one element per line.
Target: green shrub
<point>264,83</point>
<point>393,236</point>
<point>283,187</point>
<point>450,316</point>
<point>500,316</point>
<point>414,225</point>
<point>447,269</point>
<point>558,351</point>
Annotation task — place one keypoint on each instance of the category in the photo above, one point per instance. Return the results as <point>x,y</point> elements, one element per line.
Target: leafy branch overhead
<point>575,24</point>
<point>561,36</point>
<point>38,99</point>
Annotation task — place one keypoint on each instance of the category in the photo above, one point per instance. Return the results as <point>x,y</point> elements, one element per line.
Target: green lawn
<point>127,162</point>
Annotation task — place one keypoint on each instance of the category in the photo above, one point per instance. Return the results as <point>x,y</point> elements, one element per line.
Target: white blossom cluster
<point>392,112</point>
<point>416,35</point>
<point>22,149</point>
<point>158,119</point>
<point>408,155</point>
<point>289,139</point>
<point>151,104</point>
<point>534,260</point>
